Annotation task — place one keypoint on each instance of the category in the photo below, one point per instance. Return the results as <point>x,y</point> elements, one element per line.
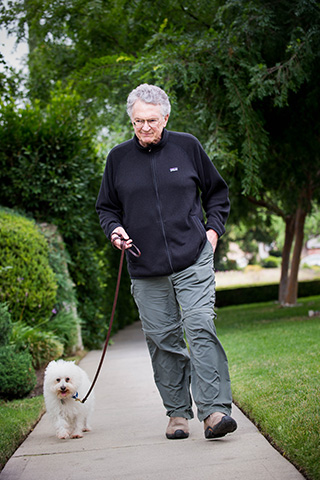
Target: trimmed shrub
<point>271,262</point>
<point>5,324</point>
<point>17,374</point>
<point>261,293</point>
<point>27,282</point>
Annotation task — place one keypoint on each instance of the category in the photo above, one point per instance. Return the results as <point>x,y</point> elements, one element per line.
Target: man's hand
<point>119,231</point>
<point>213,237</point>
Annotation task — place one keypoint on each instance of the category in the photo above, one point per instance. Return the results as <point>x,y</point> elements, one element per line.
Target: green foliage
<point>11,82</point>
<point>260,293</point>
<point>312,227</point>
<point>60,261</point>
<point>50,333</point>
<point>271,262</point>
<point>65,322</point>
<point>43,346</point>
<point>5,324</point>
<point>90,277</point>
<point>49,168</point>
<point>16,372</point>
<point>64,326</point>
<point>27,283</point>
<point>47,161</point>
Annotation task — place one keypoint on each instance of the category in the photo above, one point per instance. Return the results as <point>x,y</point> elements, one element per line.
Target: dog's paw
<point>86,429</point>
<point>76,435</point>
<point>62,433</point>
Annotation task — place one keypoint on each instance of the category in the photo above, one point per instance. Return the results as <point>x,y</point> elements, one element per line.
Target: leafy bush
<point>225,265</point>
<point>49,167</point>
<point>261,293</point>
<point>65,327</point>
<point>16,372</point>
<point>272,262</point>
<point>27,281</point>
<point>59,260</point>
<point>5,324</point>
<point>46,160</point>
<point>42,346</point>
<point>60,326</point>
<point>275,253</point>
<point>65,322</point>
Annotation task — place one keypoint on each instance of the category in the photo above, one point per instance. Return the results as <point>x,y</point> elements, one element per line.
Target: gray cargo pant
<point>168,306</point>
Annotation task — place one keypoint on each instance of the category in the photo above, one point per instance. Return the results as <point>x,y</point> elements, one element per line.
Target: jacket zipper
<point>153,166</point>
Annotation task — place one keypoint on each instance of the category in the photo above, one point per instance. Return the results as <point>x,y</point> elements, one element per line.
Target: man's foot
<point>218,424</point>
<point>177,428</point>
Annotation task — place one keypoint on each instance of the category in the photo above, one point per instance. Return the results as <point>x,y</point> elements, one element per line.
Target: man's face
<point>149,131</point>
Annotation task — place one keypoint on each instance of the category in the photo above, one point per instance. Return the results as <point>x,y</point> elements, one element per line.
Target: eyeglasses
<point>152,122</point>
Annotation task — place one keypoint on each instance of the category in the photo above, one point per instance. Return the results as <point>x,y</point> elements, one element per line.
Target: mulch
<point>38,389</point>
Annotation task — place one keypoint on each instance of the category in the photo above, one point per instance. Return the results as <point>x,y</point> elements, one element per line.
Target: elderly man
<point>153,192</point>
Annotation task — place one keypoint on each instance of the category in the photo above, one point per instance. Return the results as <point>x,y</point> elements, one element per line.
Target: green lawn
<point>17,418</point>
<point>275,373</point>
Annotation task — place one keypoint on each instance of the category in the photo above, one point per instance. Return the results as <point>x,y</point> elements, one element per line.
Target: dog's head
<point>62,378</point>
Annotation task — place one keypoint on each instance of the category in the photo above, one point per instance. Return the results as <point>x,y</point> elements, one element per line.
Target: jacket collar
<point>153,147</point>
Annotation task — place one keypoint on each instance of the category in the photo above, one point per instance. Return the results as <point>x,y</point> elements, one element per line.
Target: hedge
<point>27,282</point>
<point>261,293</point>
<point>16,372</point>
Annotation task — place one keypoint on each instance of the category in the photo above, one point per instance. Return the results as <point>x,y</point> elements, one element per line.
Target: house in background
<point>310,255</point>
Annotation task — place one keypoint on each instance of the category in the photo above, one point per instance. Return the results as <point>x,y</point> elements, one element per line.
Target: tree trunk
<point>292,290</point>
<point>289,235</point>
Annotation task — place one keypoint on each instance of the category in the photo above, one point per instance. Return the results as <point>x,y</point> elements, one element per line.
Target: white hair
<point>149,94</point>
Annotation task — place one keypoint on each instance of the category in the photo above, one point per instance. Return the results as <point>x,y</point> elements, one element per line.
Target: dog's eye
<point>57,380</point>
<point>67,379</point>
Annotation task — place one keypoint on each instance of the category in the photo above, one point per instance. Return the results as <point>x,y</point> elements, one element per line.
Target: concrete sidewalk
<point>128,437</point>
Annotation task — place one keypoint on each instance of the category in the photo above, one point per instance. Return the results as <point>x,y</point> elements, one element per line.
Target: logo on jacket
<point>173,169</point>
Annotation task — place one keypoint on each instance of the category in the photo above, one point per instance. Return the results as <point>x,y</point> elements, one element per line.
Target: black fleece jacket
<point>156,194</point>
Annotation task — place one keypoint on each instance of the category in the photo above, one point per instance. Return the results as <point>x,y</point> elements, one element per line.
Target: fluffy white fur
<point>62,381</point>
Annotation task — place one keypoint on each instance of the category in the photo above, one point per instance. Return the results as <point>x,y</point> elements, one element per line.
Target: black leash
<point>136,252</point>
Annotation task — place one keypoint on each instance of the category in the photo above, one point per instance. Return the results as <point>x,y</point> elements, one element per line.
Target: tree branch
<point>267,204</point>
<point>194,16</point>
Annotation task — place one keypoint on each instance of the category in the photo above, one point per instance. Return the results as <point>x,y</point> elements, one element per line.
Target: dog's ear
<point>50,365</point>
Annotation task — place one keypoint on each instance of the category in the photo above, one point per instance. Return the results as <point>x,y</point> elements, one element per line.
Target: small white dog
<point>64,382</point>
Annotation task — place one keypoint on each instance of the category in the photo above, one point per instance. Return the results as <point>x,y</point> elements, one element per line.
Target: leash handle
<point>118,236</point>
<point>136,253</point>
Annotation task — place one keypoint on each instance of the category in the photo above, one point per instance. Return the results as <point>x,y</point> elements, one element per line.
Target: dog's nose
<point>63,389</point>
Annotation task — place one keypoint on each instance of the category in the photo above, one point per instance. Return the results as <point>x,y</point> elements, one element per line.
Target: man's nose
<point>146,126</point>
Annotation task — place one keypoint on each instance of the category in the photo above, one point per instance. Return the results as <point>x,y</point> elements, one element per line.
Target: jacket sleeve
<point>108,206</point>
<point>214,194</point>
